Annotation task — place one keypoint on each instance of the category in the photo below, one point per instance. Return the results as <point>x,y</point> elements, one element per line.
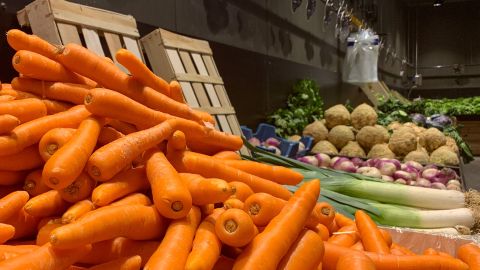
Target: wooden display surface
<point>190,62</point>
<point>471,134</point>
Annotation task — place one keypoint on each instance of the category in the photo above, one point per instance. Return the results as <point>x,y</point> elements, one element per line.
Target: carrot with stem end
<point>206,190</point>
<point>8,178</point>
<point>278,174</point>
<point>206,246</point>
<point>109,222</point>
<point>43,235</point>
<point>37,66</point>
<point>108,135</point>
<point>11,204</point>
<point>80,189</point>
<point>135,198</point>
<point>346,236</point>
<point>263,207</point>
<point>242,190</point>
<point>171,195</point>
<point>355,260</point>
<point>125,263</point>
<point>69,92</point>
<point>323,213</point>
<point>27,159</point>
<point>31,132</point>
<point>124,183</point>
<point>209,167</point>
<point>141,72</point>
<point>20,40</point>
<point>46,257</point>
<point>267,248</point>
<point>77,210</point>
<point>46,204</point>
<point>7,123</point>
<point>24,223</point>
<point>68,162</point>
<point>24,109</point>
<point>229,155</point>
<point>235,228</point>
<point>305,253</point>
<point>176,92</point>
<point>7,232</point>
<point>177,243</point>
<point>470,254</point>
<point>34,184</point>
<point>233,203</point>
<point>371,236</point>
<point>53,140</point>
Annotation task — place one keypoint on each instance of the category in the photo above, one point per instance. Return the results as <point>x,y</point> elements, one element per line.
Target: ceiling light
<point>438,3</point>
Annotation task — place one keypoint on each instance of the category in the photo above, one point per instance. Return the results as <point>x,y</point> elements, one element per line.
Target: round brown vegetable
<point>444,156</point>
<point>363,115</point>
<point>337,115</point>
<point>381,151</point>
<point>394,126</point>
<point>317,130</point>
<point>324,147</point>
<point>353,149</point>
<point>340,135</point>
<point>402,142</point>
<point>418,156</point>
<point>432,139</point>
<point>369,136</point>
<point>450,142</point>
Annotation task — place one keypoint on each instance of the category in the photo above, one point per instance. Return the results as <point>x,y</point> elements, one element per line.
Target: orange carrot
<point>176,91</point>
<point>11,251</point>
<point>242,190</point>
<point>267,248</point>
<point>342,220</point>
<point>230,155</point>
<point>46,257</point>
<point>231,252</point>
<point>27,159</point>
<point>141,72</point>
<point>69,92</point>
<point>171,195</point>
<point>19,40</point>
<point>387,237</point>
<point>122,127</point>
<point>444,254</point>
<point>8,123</point>
<point>235,228</point>
<point>80,189</point>
<point>359,246</point>
<point>108,135</point>
<point>372,238</point>
<point>77,210</point>
<point>210,167</point>
<point>223,263</point>
<point>109,222</point>
<point>278,174</point>
<point>24,223</point>
<point>24,109</point>
<point>43,235</point>
<point>54,106</point>
<point>124,183</point>
<point>17,94</point>
<point>305,253</point>
<point>177,142</point>
<point>430,251</point>
<point>346,237</point>
<point>135,198</point>
<point>233,203</point>
<point>119,247</point>
<point>355,260</point>
<point>206,190</point>
<point>323,213</point>
<point>5,98</point>
<point>53,140</point>
<point>46,204</point>
<point>125,263</point>
<point>403,249</point>
<point>322,230</point>
<point>67,163</point>
<point>177,243</point>
<point>470,254</point>
<point>34,184</point>
<point>37,66</point>
<point>31,132</point>
<point>393,262</point>
<point>206,246</point>
<point>6,232</point>
<point>11,177</point>
<point>11,204</point>
<point>263,207</point>
<point>207,209</point>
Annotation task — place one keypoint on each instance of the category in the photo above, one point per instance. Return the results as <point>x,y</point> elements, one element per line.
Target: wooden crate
<point>379,90</point>
<point>471,134</point>
<point>190,62</point>
<point>62,22</point>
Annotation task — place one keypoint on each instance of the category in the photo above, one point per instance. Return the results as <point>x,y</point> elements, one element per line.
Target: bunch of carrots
<point>100,169</point>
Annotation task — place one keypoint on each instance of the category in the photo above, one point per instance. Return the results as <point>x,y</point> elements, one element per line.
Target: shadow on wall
<point>217,15</point>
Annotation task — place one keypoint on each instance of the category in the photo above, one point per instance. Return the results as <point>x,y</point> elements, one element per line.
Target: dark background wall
<point>260,46</point>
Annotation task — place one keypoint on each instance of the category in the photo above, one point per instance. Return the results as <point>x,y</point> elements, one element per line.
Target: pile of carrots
<point>100,169</point>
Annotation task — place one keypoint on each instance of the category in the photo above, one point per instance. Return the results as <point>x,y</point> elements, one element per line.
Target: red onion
<point>400,181</point>
<point>438,186</point>
<point>272,142</point>
<point>323,160</point>
<point>358,162</point>
<point>309,160</point>
<point>344,164</point>
<point>254,141</point>
<point>402,175</point>
<point>414,164</point>
<point>422,182</point>
<point>387,178</point>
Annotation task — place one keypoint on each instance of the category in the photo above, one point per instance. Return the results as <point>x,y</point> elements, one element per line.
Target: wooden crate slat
<point>225,127</point>
<point>114,44</point>
<point>69,33</point>
<point>172,40</point>
<point>182,76</point>
<point>222,95</point>
<point>158,58</point>
<point>176,61</point>
<point>40,18</point>
<point>189,95</point>
<point>91,17</point>
<point>218,110</point>
<point>187,63</point>
<point>92,41</point>
<point>212,95</point>
<point>133,46</point>
<point>198,60</point>
<point>210,65</point>
<point>198,88</point>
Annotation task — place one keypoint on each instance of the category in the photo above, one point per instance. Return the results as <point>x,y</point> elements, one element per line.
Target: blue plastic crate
<point>287,148</point>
